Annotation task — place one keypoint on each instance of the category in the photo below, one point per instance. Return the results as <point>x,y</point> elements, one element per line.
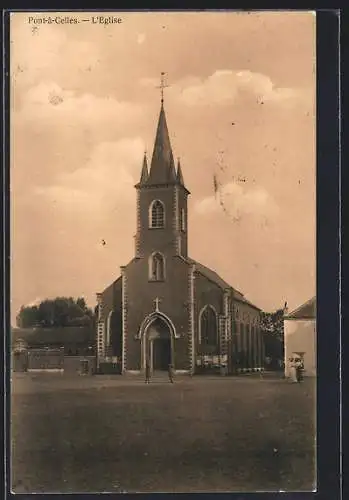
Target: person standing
<point>292,369</point>
<point>147,373</point>
<point>299,369</point>
<point>170,373</point>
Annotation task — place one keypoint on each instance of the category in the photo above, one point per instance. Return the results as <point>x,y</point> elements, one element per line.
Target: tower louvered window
<point>157,216</point>
<point>208,327</point>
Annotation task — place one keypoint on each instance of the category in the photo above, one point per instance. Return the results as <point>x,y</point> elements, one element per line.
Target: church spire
<point>162,169</point>
<point>179,173</point>
<point>144,174</point>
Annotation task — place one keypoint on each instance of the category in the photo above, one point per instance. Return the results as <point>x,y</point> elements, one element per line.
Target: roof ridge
<point>221,282</point>
<point>299,308</point>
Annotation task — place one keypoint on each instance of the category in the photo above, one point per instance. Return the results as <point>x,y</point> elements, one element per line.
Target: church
<point>166,308</point>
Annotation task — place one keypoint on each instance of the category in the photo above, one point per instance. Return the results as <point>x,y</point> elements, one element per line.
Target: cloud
<point>108,178</point>
<point>47,52</point>
<point>238,202</point>
<point>46,46</point>
<point>226,86</point>
<point>47,101</point>
<point>63,129</point>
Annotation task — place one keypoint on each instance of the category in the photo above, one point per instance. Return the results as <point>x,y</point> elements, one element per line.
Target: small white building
<point>300,337</point>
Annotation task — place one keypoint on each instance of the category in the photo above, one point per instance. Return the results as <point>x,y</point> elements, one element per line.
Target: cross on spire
<point>162,85</point>
<point>156,302</point>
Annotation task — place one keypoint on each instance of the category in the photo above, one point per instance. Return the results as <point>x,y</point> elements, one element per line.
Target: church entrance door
<point>161,354</point>
<point>160,345</point>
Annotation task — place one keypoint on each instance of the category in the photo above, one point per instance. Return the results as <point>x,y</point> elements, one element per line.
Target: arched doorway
<point>158,344</point>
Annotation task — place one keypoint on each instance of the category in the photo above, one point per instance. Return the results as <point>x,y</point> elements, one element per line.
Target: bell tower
<point>162,208</point>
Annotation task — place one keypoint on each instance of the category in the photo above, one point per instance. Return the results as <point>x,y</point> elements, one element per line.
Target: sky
<point>240,107</point>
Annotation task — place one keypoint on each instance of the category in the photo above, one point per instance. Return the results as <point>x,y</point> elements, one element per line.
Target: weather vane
<point>162,85</point>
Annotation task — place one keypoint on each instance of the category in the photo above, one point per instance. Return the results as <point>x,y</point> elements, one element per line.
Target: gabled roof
<point>209,274</point>
<point>113,283</point>
<point>305,311</point>
<point>215,278</point>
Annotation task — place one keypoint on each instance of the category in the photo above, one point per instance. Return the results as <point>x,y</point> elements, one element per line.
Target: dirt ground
<point>114,434</point>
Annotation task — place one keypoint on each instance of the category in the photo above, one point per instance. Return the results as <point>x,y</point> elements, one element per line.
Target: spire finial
<point>162,86</point>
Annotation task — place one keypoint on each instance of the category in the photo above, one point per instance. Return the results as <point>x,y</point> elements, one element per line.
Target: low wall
<point>52,360</point>
<point>73,364</point>
<point>45,359</point>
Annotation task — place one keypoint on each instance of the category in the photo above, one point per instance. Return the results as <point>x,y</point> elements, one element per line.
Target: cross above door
<point>156,302</point>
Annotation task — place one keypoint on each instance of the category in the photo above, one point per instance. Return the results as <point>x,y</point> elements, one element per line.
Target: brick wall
<point>173,295</point>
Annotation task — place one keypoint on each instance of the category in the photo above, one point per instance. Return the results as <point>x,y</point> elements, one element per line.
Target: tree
<point>81,303</point>
<point>27,317</point>
<point>58,312</point>
<point>272,327</point>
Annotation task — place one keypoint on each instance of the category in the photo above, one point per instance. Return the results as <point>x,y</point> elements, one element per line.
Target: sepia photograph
<point>163,251</point>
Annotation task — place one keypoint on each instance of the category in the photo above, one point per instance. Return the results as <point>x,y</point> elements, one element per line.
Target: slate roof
<point>144,173</point>
<point>180,178</point>
<point>305,311</point>
<point>162,168</point>
<point>215,278</point>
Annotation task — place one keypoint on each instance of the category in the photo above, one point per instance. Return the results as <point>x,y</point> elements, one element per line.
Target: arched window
<point>108,339</point>
<point>248,345</point>
<point>243,346</point>
<point>157,267</point>
<point>208,326</point>
<point>157,214</point>
<point>183,221</point>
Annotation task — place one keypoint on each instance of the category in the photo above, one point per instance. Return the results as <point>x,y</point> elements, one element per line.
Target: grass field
<point>98,434</point>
